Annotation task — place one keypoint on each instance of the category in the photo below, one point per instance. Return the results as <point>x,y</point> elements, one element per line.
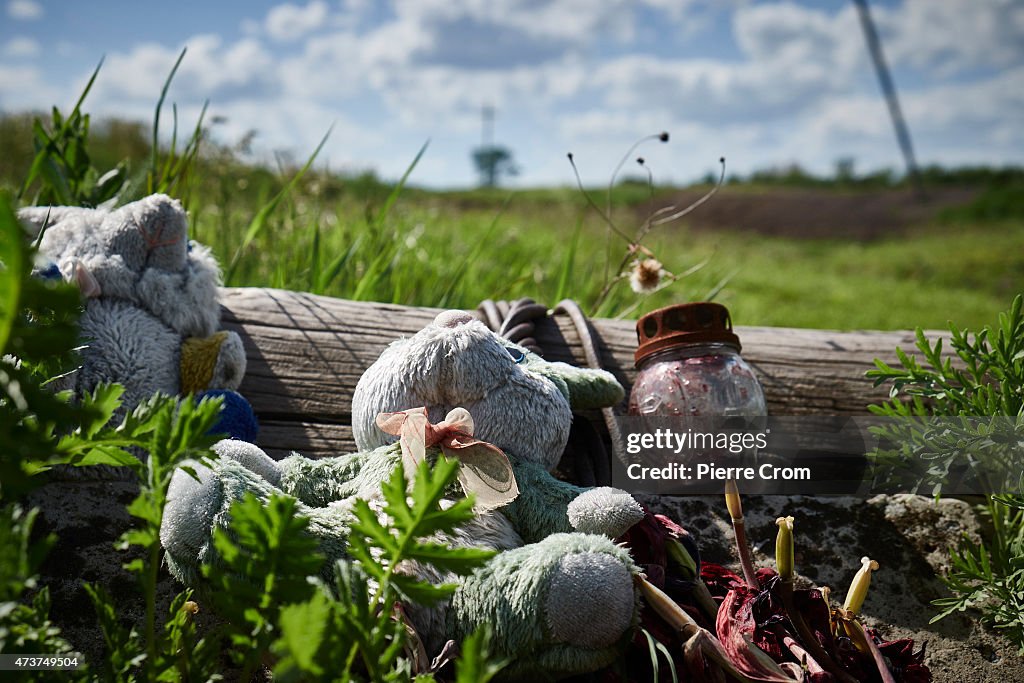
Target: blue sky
<point>762,83</point>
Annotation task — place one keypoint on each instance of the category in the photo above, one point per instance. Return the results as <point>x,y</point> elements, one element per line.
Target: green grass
<point>455,249</point>
<point>360,238</point>
<point>966,273</point>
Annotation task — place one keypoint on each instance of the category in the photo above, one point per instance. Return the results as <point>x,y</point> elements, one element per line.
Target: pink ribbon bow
<point>485,470</point>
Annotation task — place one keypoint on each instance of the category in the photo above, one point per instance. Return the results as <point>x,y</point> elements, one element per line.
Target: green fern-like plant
<point>943,426</point>
<point>355,630</point>
<point>169,431</point>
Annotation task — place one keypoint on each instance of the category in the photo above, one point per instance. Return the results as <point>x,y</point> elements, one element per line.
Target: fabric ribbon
<point>485,470</point>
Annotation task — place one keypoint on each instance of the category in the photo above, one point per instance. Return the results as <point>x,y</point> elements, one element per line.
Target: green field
<point>361,238</point>
<point>440,250</point>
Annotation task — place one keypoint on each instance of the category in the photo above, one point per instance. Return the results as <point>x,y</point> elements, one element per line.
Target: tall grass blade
<point>260,220</point>
<point>180,171</point>
<point>367,287</point>
<point>472,255</point>
<point>717,289</point>
<point>568,264</point>
<point>397,189</point>
<point>47,149</point>
<point>155,142</point>
<point>11,266</point>
<point>332,270</point>
<point>315,283</point>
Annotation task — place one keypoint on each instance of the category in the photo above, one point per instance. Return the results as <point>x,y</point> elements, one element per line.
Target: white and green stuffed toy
<point>151,313</point>
<point>559,594</point>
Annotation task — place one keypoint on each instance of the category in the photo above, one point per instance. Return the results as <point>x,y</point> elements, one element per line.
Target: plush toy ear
<point>586,388</point>
<point>86,281</point>
<point>160,221</point>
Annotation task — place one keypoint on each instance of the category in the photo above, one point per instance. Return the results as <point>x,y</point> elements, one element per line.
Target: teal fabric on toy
<point>559,594</point>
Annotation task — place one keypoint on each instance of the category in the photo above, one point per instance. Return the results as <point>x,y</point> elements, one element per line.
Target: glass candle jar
<point>689,365</point>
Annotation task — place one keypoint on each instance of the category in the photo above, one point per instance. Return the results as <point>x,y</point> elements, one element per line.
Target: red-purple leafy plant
<point>717,625</point>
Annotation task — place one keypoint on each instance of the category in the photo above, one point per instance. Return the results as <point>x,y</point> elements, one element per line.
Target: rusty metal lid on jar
<point>684,325</point>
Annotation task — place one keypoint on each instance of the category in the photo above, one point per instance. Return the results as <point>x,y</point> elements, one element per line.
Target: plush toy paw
<point>604,510</point>
<point>195,504</point>
<point>558,607</point>
<point>590,600</point>
<point>192,503</point>
<point>251,458</point>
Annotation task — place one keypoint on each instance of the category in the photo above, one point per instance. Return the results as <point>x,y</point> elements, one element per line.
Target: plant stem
<point>876,654</point>
<point>704,599</point>
<point>802,655</point>
<point>743,549</point>
<point>150,588</point>
<point>606,290</point>
<point>735,506</point>
<point>712,648</point>
<point>807,636</point>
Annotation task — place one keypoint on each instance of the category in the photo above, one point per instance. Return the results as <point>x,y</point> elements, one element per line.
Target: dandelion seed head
<point>646,275</point>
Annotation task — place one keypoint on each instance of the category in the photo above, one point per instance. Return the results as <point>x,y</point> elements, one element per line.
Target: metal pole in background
<point>889,90</point>
<point>487,116</point>
<point>487,144</point>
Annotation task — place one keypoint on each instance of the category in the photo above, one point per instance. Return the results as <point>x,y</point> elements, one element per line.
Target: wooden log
<point>306,353</point>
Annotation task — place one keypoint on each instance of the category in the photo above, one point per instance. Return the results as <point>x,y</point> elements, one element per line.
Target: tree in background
<point>492,161</point>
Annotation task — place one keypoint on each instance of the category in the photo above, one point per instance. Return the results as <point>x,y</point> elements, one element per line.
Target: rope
<point>516,321</point>
<point>582,325</point>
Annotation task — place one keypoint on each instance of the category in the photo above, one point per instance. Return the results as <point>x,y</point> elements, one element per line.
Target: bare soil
<point>811,213</point>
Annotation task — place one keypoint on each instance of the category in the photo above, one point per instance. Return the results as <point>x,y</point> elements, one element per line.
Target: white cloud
<point>23,87</point>
<point>290,22</point>
<point>210,69</point>
<point>953,36</point>
<point>791,35</point>
<point>21,46</point>
<point>980,106</point>
<point>26,10</point>
<point>795,85</point>
<point>17,77</point>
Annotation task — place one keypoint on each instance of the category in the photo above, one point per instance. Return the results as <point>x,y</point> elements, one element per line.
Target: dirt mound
<point>808,213</point>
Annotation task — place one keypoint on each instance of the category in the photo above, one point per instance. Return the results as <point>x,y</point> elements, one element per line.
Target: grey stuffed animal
<point>151,312</point>
<point>559,594</point>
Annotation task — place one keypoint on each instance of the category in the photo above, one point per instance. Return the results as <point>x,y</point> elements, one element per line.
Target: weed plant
<point>985,378</point>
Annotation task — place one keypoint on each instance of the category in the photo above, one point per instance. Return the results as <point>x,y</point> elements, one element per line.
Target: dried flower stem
<point>586,195</point>
<point>663,137</point>
<point>807,636</point>
<point>735,506</point>
<point>876,654</point>
<point>654,220</point>
<point>802,655</point>
<point>710,646</point>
